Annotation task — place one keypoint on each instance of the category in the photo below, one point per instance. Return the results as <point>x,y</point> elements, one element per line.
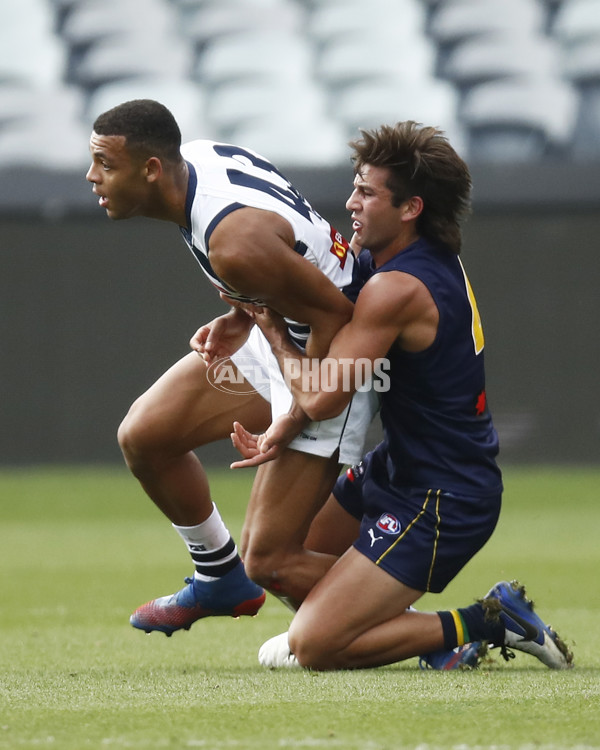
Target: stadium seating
<point>243,68</point>
<point>29,50</point>
<point>296,143</point>
<point>240,103</point>
<point>348,60</point>
<point>519,119</point>
<point>50,136</point>
<point>207,22</point>
<point>95,20</point>
<point>576,27</point>
<point>124,57</point>
<point>429,101</point>
<point>575,21</point>
<point>454,21</point>
<point>335,20</point>
<point>185,98</point>
<point>494,56</point>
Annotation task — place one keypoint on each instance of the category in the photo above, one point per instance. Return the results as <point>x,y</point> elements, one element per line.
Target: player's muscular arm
<point>392,308</point>
<point>252,250</point>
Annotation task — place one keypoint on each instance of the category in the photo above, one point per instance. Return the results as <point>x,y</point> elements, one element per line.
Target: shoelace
<point>506,653</point>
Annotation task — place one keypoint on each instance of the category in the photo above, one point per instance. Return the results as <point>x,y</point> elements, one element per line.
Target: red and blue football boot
<point>233,595</point>
<point>461,657</point>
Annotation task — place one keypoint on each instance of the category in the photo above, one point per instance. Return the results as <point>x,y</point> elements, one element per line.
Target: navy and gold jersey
<point>224,178</point>
<point>438,429</point>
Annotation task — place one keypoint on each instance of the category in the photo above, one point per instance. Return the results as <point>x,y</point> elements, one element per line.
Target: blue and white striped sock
<point>211,546</point>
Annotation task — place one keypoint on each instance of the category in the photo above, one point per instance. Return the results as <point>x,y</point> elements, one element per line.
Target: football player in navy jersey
<point>258,240</point>
<point>423,502</point>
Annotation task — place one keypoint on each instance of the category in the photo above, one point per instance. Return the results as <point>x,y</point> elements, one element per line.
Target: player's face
<point>377,224</point>
<point>119,179</point>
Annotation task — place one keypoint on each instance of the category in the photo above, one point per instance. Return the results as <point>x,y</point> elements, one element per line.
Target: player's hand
<point>248,307</point>
<point>271,323</point>
<point>258,449</point>
<point>223,336</point>
<point>253,448</point>
<point>355,246</point>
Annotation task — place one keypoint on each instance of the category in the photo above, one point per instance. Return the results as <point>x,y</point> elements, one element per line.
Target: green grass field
<point>80,549</point>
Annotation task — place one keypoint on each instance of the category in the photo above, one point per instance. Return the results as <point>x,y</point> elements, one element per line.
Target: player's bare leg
<point>357,616</point>
<point>336,629</point>
<point>321,535</point>
<point>332,532</point>
<point>180,412</point>
<point>287,494</point>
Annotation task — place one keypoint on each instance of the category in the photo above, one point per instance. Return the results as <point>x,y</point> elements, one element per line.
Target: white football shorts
<point>257,363</point>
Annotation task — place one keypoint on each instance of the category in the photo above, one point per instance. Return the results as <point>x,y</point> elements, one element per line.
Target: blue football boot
<point>232,595</point>
<point>507,603</point>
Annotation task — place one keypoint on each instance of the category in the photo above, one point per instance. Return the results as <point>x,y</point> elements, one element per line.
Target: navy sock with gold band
<point>469,624</point>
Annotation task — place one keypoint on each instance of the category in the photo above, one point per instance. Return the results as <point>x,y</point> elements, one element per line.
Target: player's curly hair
<point>148,126</point>
<point>421,162</point>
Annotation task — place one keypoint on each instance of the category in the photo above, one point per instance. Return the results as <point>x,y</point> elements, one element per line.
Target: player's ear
<point>413,207</point>
<point>153,169</point>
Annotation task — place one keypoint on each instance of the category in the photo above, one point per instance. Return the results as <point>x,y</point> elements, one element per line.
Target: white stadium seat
<point>296,144</point>
<point>577,20</point>
<point>582,67</point>
<point>238,103</point>
<point>369,57</point>
<point>431,102</point>
<point>206,23</point>
<point>97,19</point>
<point>27,103</point>
<point>185,99</point>
<point>29,50</point>
<point>519,118</point>
<point>53,140</point>
<point>129,56</point>
<point>335,20</point>
<point>502,55</point>
<point>428,101</point>
<point>241,56</point>
<point>456,20</point>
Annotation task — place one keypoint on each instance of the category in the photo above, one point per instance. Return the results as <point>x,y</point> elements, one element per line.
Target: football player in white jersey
<point>258,240</point>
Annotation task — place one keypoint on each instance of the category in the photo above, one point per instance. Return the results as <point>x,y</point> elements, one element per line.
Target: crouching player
<point>422,504</point>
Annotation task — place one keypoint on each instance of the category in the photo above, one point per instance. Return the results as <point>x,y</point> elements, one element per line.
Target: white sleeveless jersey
<point>224,178</point>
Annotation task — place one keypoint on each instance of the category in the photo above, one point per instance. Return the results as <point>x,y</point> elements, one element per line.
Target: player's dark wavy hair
<point>421,162</point>
<point>148,126</point>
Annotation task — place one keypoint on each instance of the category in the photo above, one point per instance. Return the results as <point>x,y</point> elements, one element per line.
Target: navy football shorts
<point>421,537</point>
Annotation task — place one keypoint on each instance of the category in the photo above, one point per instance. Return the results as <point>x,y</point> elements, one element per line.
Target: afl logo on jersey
<point>389,524</point>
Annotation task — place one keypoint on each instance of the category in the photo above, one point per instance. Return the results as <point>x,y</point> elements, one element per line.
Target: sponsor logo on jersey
<point>339,247</point>
<point>389,524</point>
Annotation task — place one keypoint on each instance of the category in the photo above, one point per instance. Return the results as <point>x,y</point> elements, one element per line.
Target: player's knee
<point>267,567</point>
<point>315,649</point>
<point>135,437</point>
<point>259,566</point>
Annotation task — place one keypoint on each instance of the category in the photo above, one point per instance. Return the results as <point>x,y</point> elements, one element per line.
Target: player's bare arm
<point>252,250</point>
<point>392,309</point>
